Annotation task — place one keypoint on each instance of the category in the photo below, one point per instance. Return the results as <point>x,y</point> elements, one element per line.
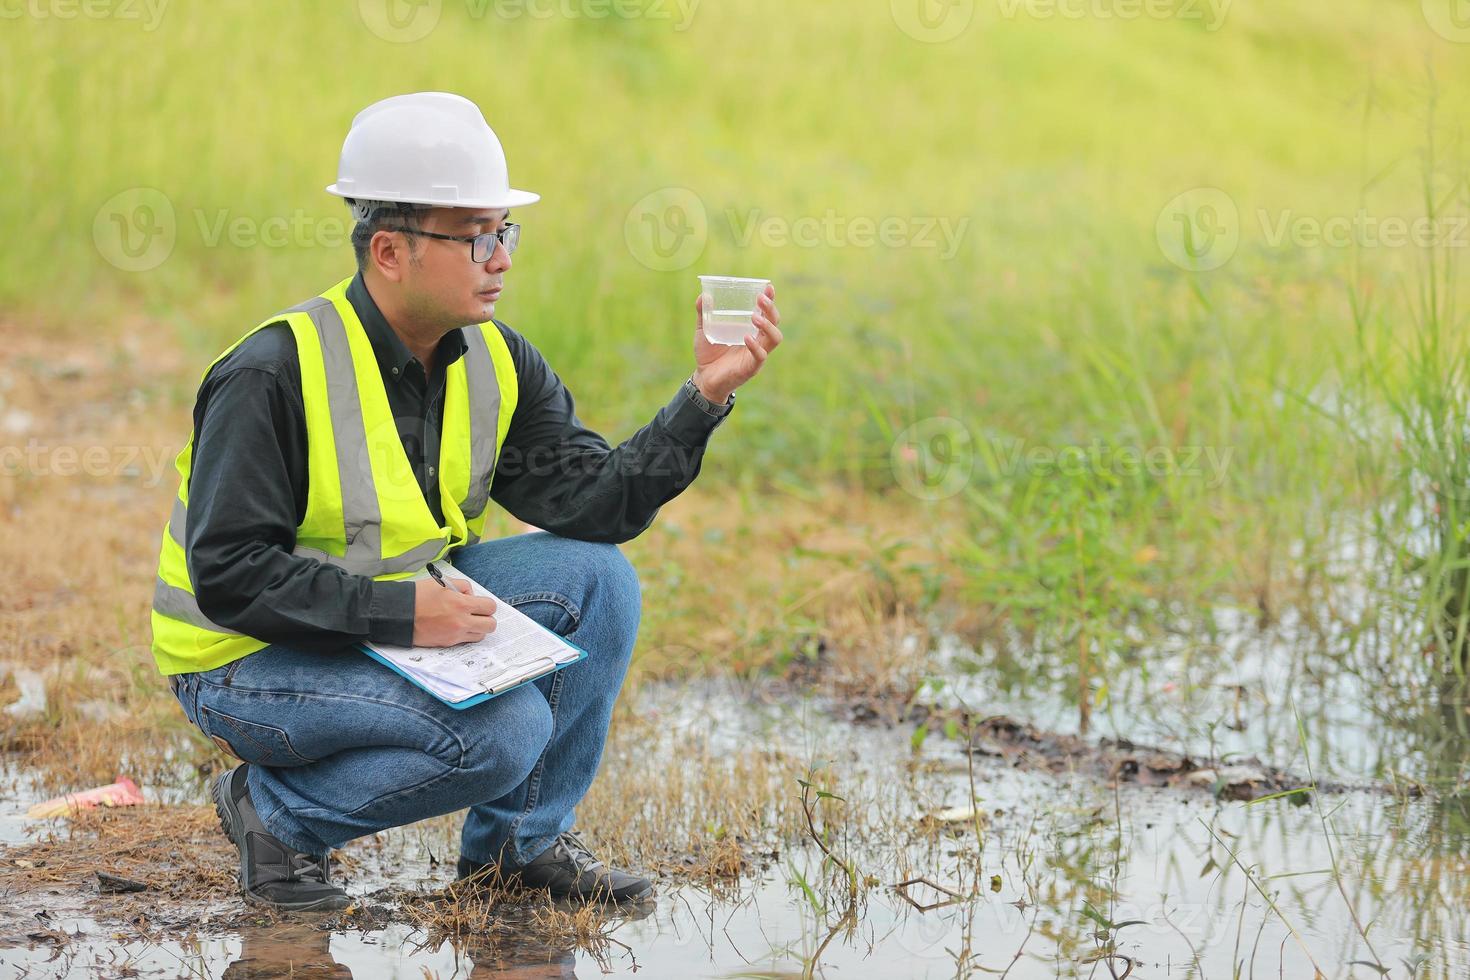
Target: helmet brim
<point>512,199</point>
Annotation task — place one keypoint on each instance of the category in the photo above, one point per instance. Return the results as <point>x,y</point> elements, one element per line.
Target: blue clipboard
<point>475,699</point>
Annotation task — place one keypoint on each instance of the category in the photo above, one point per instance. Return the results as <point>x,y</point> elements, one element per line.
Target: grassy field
<point>1124,374</point>
<point>1006,381</point>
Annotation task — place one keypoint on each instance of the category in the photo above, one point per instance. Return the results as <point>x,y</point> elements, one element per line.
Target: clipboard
<point>483,696</point>
<point>521,620</point>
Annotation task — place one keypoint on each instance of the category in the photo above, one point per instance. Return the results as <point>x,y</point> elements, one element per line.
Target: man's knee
<point>511,736</point>
<point>614,584</point>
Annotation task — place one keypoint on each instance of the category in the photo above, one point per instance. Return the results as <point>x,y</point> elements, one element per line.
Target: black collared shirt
<point>248,479</point>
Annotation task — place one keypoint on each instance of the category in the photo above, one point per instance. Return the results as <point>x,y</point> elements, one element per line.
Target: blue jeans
<point>340,746</point>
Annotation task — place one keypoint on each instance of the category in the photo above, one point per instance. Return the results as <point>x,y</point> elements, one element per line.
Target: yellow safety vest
<point>365,512</point>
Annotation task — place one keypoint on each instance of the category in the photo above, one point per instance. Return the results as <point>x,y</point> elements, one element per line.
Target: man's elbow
<point>628,531</point>
<point>218,591</point>
<point>218,603</point>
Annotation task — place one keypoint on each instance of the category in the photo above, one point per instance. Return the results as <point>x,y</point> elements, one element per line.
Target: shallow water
<point>1339,710</point>
<point>1188,883</point>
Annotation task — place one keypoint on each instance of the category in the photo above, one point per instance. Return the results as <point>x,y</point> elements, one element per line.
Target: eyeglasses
<point>481,246</point>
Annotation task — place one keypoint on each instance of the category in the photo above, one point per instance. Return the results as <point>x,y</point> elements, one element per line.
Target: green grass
<point>1057,321</point>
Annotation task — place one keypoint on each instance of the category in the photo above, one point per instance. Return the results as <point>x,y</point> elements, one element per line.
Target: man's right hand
<point>443,617</point>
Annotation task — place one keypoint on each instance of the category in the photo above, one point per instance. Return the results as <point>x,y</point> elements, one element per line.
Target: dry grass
<point>686,808</point>
<point>189,869</point>
<point>176,850</point>
<point>97,424</point>
<point>508,927</point>
<point>745,582</point>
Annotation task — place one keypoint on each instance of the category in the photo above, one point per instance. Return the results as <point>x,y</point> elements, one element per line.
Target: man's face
<point>444,284</point>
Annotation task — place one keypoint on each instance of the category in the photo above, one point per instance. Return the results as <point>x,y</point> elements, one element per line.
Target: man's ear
<point>389,253</point>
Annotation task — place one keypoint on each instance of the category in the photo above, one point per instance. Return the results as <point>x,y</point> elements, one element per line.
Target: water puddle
<point>1027,871</point>
<point>1289,697</point>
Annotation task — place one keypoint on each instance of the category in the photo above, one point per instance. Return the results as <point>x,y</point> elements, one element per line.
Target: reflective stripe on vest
<point>473,388</point>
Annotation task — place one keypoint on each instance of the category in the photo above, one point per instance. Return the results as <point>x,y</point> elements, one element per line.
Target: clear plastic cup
<point>729,303</point>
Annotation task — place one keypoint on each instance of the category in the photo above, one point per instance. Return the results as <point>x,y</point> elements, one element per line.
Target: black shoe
<point>271,873</point>
<point>566,869</point>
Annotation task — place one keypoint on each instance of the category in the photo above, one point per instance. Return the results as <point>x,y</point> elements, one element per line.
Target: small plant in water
<point>1413,395</point>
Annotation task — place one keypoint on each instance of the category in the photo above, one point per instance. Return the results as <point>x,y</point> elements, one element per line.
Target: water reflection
<point>304,951</point>
<point>292,950</point>
<point>1443,729</point>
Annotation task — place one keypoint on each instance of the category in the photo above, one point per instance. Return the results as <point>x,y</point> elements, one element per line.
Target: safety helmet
<point>429,148</point>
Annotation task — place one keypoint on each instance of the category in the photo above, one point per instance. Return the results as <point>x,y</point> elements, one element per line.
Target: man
<point>348,441</point>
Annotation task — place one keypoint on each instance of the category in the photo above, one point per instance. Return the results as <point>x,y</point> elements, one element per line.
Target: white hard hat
<point>429,148</point>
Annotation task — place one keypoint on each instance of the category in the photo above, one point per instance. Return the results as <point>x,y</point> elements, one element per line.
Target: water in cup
<point>729,303</point>
<point>728,326</point>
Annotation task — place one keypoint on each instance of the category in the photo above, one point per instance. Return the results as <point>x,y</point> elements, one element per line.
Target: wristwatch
<point>692,390</point>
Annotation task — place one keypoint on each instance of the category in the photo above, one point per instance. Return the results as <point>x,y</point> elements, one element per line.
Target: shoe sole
<point>231,823</point>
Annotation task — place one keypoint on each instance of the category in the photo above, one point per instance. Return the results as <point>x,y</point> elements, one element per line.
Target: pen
<point>437,577</point>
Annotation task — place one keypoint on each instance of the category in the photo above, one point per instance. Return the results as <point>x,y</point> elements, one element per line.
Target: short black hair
<point>381,216</point>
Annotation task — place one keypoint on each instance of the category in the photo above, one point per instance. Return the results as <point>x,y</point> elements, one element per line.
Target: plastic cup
<point>729,303</point>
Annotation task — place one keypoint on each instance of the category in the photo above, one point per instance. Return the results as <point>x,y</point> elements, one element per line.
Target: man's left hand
<point>721,368</point>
